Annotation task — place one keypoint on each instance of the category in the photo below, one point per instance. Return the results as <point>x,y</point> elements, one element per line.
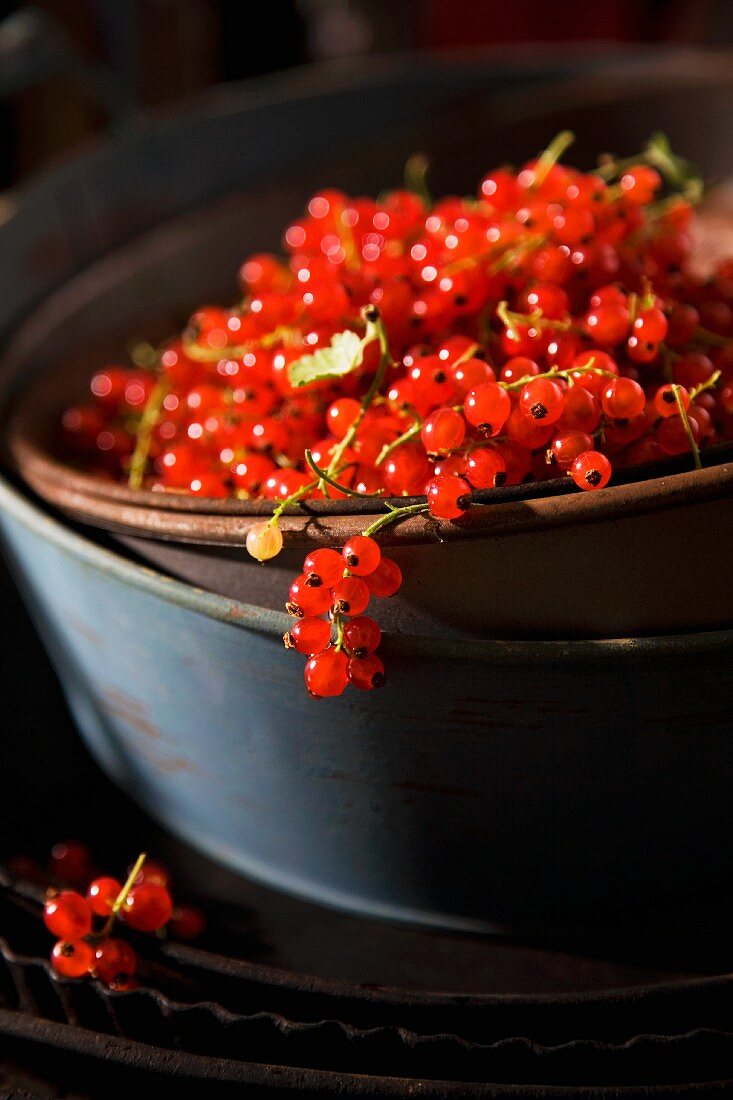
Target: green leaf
<point>344,355</point>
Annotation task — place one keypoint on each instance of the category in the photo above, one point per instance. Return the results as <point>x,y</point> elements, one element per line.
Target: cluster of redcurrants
<point>143,903</point>
<point>551,325</point>
<point>341,648</point>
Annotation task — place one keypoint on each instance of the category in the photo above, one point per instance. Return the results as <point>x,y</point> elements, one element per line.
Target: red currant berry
<point>350,596</point>
<point>152,871</point>
<point>591,470</point>
<point>72,958</point>
<point>114,961</point>
<point>517,368</point>
<point>102,894</point>
<point>672,435</point>
<point>361,636</point>
<point>485,468</point>
<point>651,325</point>
<point>308,635</point>
<point>445,496</point>
<point>640,184</point>
<point>488,408</point>
<point>443,431</point>
<point>67,915</point>
<point>406,470</point>
<point>386,579</point>
<point>361,555</point>
<point>147,907</point>
<point>608,323</point>
<point>341,415</point>
<point>366,672</point>
<point>623,399</point>
<point>566,446</point>
<point>306,597</point>
<point>326,566</point>
<point>665,402</point>
<point>542,399</point>
<point>187,922</point>
<point>326,673</point>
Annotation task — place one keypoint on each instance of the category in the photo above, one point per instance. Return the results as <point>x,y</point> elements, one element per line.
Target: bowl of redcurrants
<point>542,371</point>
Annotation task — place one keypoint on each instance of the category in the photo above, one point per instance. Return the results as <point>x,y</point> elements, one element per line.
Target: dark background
<point>152,52</point>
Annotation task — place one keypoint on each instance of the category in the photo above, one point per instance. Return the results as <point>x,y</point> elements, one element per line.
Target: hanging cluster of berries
<point>341,647</point>
<point>551,326</point>
<point>143,903</point>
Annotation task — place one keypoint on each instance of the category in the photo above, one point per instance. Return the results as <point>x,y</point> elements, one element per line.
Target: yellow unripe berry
<point>264,541</point>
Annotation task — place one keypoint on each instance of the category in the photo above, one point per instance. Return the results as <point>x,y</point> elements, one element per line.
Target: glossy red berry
<point>102,894</point>
<point>386,579</point>
<point>187,922</point>
<point>591,470</point>
<point>446,496</point>
<point>326,566</point>
<point>542,399</point>
<point>488,408</point>
<point>567,445</point>
<point>485,468</point>
<point>361,555</point>
<point>608,323</point>
<point>366,672</point>
<point>114,961</point>
<point>67,915</point>
<point>623,399</point>
<point>341,415</point>
<point>326,673</point>
<point>665,402</point>
<point>361,636</point>
<point>672,434</point>
<point>307,598</point>
<point>651,325</point>
<point>350,596</point>
<point>72,958</point>
<point>640,184</point>
<point>443,431</point>
<point>308,635</point>
<point>148,907</point>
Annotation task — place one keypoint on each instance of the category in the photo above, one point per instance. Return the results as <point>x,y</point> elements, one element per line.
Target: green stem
<point>292,499</point>
<point>323,475</point>
<point>509,318</point>
<point>385,359</point>
<point>551,155</point>
<point>709,384</point>
<point>145,428</point>
<point>685,420</point>
<point>393,515</point>
<point>122,896</point>
<point>387,449</point>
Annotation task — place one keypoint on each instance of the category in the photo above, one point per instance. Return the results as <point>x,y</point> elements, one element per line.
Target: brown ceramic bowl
<point>532,561</point>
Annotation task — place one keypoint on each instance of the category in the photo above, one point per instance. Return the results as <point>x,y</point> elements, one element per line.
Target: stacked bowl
<point>552,754</point>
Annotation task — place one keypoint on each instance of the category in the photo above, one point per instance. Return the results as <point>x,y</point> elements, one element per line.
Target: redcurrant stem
<point>708,384</point>
<point>551,155</point>
<point>338,621</point>
<point>393,515</point>
<point>292,499</point>
<point>372,317</point>
<point>686,422</point>
<point>144,435</point>
<point>510,319</point>
<point>323,475</point>
<point>122,896</point>
<point>387,449</point>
